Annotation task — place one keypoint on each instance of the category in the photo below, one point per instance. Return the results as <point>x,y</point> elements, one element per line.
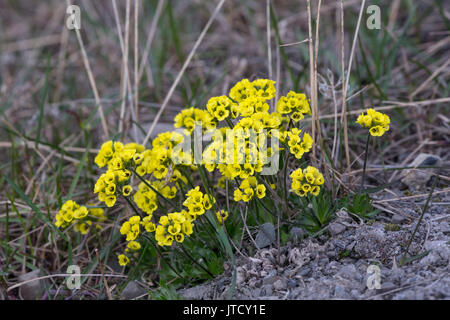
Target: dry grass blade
<point>92,81</point>
<point>344,90</point>
<point>316,97</point>
<point>180,74</point>
<point>151,34</point>
<point>312,80</point>
<point>269,43</point>
<point>125,78</point>
<point>136,58</point>
<point>429,79</point>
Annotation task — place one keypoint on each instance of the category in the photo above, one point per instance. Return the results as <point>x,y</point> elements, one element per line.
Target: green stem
<point>152,242</point>
<point>174,205</point>
<point>197,263</point>
<point>365,162</point>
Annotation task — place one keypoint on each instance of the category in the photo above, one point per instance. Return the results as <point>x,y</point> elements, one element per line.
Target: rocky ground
<point>336,265</point>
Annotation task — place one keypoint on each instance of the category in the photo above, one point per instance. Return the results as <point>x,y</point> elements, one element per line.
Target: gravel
<point>336,266</point>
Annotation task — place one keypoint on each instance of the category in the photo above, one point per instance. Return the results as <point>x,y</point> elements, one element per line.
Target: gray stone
<point>132,290</point>
<point>269,298</point>
<point>297,233</point>
<point>304,271</point>
<point>336,228</point>
<point>270,279</point>
<point>340,292</point>
<point>349,272</point>
<point>439,253</point>
<point>291,283</point>
<point>386,286</point>
<point>331,254</point>
<point>266,290</point>
<point>266,235</point>
<point>256,292</point>
<point>416,179</point>
<point>339,244</point>
<point>279,285</point>
<point>34,289</point>
<point>398,219</point>
<point>355,294</point>
<point>199,292</point>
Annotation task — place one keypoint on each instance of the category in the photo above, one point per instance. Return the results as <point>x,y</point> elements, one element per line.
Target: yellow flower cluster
<point>294,104</point>
<point>188,118</point>
<point>251,97</point>
<point>80,216</point>
<point>146,199</point>
<point>245,154</point>
<point>114,150</point>
<point>174,226</point>
<point>248,188</point>
<point>157,160</point>
<point>306,181</point>
<point>377,122</point>
<point>221,107</point>
<point>297,145</point>
<point>197,202</point>
<point>111,183</point>
<point>132,229</point>
<point>244,115</point>
<point>115,181</point>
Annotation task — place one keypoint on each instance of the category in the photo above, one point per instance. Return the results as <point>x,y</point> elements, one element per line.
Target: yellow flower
<point>126,227</point>
<point>260,191</point>
<point>237,195</point>
<point>68,216</point>
<point>306,187</point>
<point>248,194</point>
<point>123,260</point>
<point>110,200</point>
<point>297,116</point>
<point>222,215</point>
<point>164,220</point>
<point>315,190</point>
<point>376,122</point>
<point>126,190</point>
<point>134,232</point>
<point>221,113</point>
<point>377,131</point>
<point>179,237</point>
<point>116,163</point>
<point>196,208</point>
<point>133,245</point>
<point>135,219</point>
<point>150,227</point>
<point>174,229</point>
<point>208,202</point>
<point>313,178</point>
<point>84,227</point>
<point>187,228</point>
<point>110,189</point>
<point>80,213</point>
